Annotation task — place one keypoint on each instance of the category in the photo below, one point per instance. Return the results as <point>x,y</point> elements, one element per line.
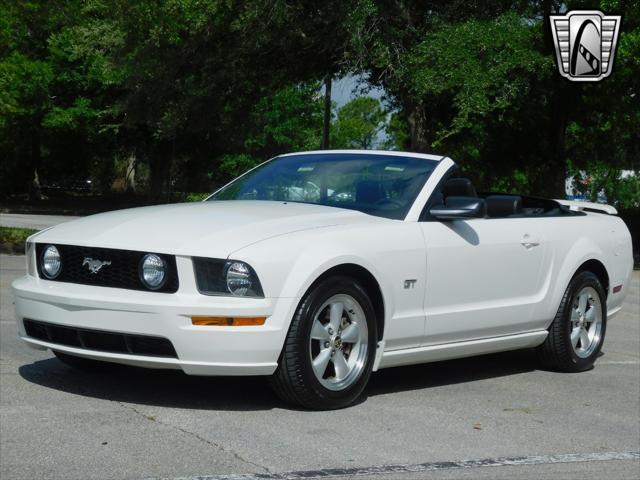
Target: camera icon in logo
<point>585,42</point>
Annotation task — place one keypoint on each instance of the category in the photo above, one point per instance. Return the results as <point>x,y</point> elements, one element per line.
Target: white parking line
<point>619,362</point>
<point>426,467</point>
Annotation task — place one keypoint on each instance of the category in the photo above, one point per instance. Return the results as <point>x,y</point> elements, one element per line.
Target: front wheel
<point>577,332</point>
<point>328,354</point>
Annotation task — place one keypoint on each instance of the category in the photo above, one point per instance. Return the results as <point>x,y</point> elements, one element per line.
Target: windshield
<point>382,185</point>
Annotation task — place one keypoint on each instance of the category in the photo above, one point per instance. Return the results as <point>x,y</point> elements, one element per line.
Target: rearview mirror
<point>460,208</point>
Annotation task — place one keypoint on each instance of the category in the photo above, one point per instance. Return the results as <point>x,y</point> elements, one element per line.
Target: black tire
<point>85,364</point>
<point>557,352</point>
<point>294,380</point>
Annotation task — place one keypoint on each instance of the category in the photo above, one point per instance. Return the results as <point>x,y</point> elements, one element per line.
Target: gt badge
<point>411,283</point>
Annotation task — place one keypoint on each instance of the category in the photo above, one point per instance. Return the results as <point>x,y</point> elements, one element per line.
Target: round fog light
<point>51,262</point>
<point>153,271</point>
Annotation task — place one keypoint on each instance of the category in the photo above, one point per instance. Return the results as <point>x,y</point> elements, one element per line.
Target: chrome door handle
<point>529,242</point>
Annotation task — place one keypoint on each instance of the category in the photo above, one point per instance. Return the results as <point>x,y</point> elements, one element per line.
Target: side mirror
<point>460,208</point>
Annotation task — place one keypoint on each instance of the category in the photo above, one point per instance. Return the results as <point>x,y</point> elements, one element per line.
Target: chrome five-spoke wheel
<point>578,329</point>
<point>586,322</point>
<point>339,342</point>
<point>330,348</point>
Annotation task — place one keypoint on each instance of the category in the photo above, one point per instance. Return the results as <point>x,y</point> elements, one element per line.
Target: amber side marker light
<point>228,321</point>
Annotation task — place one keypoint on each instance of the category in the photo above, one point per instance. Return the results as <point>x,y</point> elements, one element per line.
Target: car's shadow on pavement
<point>165,388</point>
<point>173,389</point>
<point>464,370</point>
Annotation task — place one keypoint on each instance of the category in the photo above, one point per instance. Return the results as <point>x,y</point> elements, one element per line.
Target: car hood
<point>211,229</point>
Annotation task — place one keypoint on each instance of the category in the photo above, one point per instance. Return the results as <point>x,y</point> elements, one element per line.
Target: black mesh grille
<point>122,272</point>
<point>99,340</point>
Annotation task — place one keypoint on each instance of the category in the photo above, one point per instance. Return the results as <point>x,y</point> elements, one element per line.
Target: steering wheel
<point>311,187</point>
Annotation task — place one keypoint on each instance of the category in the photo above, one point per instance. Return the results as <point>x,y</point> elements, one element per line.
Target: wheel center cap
<point>337,342</point>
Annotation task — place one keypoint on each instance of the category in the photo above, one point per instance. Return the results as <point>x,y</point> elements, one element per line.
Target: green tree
<point>603,139</point>
<point>492,68</point>
<point>477,81</point>
<point>289,120</point>
<point>26,81</point>
<point>198,74</point>
<point>397,136</point>
<point>192,91</point>
<point>358,124</point>
<point>55,87</point>
<point>621,188</point>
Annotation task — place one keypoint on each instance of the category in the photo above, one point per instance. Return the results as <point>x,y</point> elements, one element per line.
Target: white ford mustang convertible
<point>319,268</point>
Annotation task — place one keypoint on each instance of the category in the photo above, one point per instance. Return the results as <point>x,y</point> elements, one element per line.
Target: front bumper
<point>201,350</point>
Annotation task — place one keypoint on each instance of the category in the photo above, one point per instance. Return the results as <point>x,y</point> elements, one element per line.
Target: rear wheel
<point>577,332</point>
<point>84,364</point>
<point>330,347</point>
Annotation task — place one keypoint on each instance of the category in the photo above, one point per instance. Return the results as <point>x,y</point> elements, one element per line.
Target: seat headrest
<point>459,187</point>
<point>369,191</point>
<point>503,205</point>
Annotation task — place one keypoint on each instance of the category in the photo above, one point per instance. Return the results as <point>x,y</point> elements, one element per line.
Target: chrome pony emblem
<point>94,265</point>
<point>585,42</point>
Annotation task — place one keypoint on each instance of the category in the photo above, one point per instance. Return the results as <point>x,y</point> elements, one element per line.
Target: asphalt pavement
<point>34,222</point>
<point>497,416</point>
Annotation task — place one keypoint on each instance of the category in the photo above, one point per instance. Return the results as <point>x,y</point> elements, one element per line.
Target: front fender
<point>287,270</point>
<point>310,266</point>
<point>391,252</point>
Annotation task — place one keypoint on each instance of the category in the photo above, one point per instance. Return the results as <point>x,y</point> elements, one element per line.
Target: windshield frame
<point>404,211</point>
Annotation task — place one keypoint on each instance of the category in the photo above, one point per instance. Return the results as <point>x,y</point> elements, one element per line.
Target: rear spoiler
<point>588,206</point>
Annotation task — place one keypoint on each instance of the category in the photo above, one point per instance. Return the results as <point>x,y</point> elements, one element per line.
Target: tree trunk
<point>552,177</point>
<point>160,168</point>
<point>558,174</point>
<point>417,120</point>
<point>327,113</point>
<point>35,192</point>
<point>554,183</point>
<point>552,172</point>
<point>130,173</point>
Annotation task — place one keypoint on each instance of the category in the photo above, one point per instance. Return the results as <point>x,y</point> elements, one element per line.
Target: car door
<point>484,277</point>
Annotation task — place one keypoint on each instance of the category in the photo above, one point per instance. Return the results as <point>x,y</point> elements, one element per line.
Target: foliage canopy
<point>158,96</point>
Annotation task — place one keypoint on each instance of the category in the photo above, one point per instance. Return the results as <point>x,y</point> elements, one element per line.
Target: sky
<point>346,88</point>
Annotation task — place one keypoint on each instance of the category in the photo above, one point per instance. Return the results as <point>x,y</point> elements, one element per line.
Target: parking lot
<point>497,416</point>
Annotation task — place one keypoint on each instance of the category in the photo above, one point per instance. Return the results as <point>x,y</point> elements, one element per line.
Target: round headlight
<point>238,278</point>
<point>153,271</point>
<point>51,262</point>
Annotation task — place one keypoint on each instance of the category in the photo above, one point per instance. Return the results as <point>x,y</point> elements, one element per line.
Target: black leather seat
<point>503,205</point>
<point>370,191</point>
<point>459,187</point>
